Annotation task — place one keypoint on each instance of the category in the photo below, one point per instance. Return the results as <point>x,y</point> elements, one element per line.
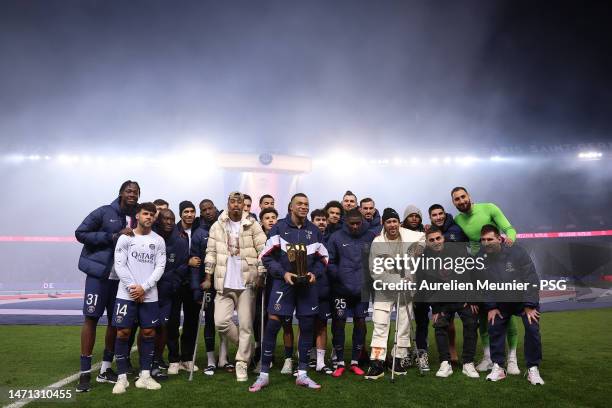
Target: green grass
<point>576,368</point>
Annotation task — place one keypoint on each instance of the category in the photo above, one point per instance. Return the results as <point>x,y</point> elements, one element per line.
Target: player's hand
<point>136,291</point>
<point>195,262</point>
<point>532,315</point>
<point>436,316</point>
<point>427,227</point>
<point>127,231</point>
<point>140,299</point>
<point>508,241</point>
<point>311,277</point>
<point>474,309</point>
<point>492,314</point>
<point>288,276</point>
<point>205,285</point>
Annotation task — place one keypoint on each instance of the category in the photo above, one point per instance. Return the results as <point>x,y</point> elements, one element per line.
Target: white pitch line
<point>59,384</point>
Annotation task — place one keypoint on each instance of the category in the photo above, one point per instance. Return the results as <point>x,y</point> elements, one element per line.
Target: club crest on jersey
<point>277,307</point>
<point>509,267</point>
<point>152,247</point>
<point>308,234</point>
<point>119,318</point>
<point>171,257</point>
<point>340,312</point>
<point>91,309</point>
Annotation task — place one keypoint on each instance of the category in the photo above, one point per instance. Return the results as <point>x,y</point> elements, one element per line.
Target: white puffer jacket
<point>252,241</point>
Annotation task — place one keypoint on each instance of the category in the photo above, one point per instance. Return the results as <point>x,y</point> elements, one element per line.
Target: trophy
<point>297,257</point>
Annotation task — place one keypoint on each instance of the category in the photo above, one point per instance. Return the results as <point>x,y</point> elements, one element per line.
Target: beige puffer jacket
<point>252,241</point>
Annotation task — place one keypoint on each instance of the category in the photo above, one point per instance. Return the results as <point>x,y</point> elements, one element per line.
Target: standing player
<point>349,201</point>
<point>334,212</point>
<point>367,206</point>
<point>180,345</point>
<point>413,220</point>
<point>139,263</point>
<point>248,202</point>
<point>348,253</point>
<point>266,201</point>
<point>99,233</point>
<point>286,297</point>
<point>175,272</point>
<point>471,218</point>
<point>506,264</point>
<point>393,241</point>
<point>208,214</point>
<point>234,245</point>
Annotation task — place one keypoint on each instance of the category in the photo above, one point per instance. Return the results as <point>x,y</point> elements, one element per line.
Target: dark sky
<point>305,76</point>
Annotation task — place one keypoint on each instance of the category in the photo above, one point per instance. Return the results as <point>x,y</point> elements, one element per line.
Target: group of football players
<point>160,276</point>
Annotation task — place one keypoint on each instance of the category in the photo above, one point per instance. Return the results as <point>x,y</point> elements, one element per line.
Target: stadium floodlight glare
<point>495,158</point>
<point>434,160</point>
<point>415,161</point>
<point>590,155</point>
<point>34,157</point>
<point>447,160</point>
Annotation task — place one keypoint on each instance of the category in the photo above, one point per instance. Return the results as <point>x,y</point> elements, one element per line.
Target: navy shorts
<point>285,299</point>
<point>342,304</point>
<point>127,312</point>
<point>100,294</point>
<point>324,310</point>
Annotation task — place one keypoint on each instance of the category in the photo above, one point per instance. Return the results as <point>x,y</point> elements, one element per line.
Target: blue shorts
<point>342,304</point>
<point>285,299</point>
<point>100,294</point>
<point>324,310</point>
<point>127,312</point>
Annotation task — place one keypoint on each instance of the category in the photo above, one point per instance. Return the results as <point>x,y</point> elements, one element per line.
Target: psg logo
<point>340,312</point>
<point>277,306</point>
<point>119,319</point>
<point>91,309</point>
<point>152,247</point>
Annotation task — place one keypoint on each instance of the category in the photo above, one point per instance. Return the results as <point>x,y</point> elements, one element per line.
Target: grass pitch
<point>576,368</point>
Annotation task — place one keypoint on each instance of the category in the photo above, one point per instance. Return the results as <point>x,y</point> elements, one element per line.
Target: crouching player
<point>444,304</point>
<point>506,264</point>
<point>139,262</point>
<point>348,263</point>
<point>285,297</point>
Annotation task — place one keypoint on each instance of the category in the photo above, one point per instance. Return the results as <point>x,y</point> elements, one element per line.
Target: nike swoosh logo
<point>155,321</point>
<point>287,233</point>
<point>111,220</point>
<point>345,245</point>
<point>315,308</point>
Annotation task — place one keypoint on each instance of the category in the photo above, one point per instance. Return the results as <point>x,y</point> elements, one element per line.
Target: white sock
<point>354,362</point>
<point>512,354</point>
<point>123,377</point>
<point>486,353</point>
<point>301,373</point>
<point>320,358</point>
<point>105,366</point>
<point>263,375</point>
<point>145,373</point>
<point>211,358</point>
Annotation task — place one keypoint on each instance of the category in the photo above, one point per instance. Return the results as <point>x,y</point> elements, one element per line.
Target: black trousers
<point>183,299</point>
<point>470,333</point>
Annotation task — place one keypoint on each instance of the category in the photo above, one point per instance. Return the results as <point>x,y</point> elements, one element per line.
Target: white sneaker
<point>445,370</point>
<point>485,365</point>
<point>497,373</point>
<point>186,365</point>
<point>147,382</point>
<point>512,366</point>
<point>241,371</point>
<point>470,370</point>
<point>173,368</point>
<point>533,376</point>
<point>121,385</point>
<point>287,367</point>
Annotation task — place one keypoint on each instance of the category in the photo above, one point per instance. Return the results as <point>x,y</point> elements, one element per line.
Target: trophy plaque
<point>297,257</point>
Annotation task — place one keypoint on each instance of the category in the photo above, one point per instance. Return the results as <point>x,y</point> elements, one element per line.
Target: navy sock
<point>305,342</point>
<point>121,354</point>
<point>358,338</point>
<point>147,348</point>
<point>338,339</point>
<point>108,355</point>
<point>85,364</point>
<point>288,352</point>
<point>269,343</point>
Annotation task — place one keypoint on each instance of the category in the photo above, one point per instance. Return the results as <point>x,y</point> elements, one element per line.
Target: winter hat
<point>412,209</point>
<point>389,213</point>
<point>185,204</point>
